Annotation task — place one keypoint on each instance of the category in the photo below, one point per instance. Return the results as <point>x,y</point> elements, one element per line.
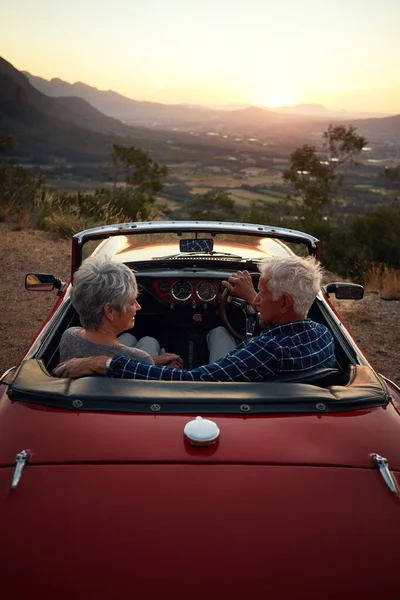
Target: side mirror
<point>344,291</point>
<point>41,282</point>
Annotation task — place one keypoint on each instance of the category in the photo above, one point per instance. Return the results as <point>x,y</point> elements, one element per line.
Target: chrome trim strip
<point>383,465</point>
<point>126,228</point>
<point>6,373</point>
<point>390,381</point>
<point>21,460</point>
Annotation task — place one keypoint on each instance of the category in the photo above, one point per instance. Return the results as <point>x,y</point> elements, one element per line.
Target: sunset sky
<point>343,54</point>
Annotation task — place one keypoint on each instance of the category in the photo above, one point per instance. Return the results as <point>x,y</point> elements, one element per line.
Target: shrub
<point>391,284</point>
<point>214,205</point>
<point>19,193</point>
<point>75,213</point>
<point>382,278</point>
<point>376,235</point>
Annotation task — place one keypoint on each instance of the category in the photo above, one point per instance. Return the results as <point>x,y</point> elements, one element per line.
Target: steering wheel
<point>249,312</point>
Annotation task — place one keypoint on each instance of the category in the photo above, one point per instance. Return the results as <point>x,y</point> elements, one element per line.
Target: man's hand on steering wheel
<point>241,284</point>
<point>239,291</point>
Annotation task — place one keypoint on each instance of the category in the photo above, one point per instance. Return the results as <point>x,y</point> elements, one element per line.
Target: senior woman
<point>104,295</point>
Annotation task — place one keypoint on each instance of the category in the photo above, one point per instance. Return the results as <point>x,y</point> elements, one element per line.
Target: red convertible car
<point>108,489</point>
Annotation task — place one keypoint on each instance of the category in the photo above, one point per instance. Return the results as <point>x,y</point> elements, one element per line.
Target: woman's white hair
<point>293,275</point>
<point>98,282</point>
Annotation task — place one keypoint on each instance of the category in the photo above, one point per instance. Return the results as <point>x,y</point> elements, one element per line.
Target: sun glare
<point>276,100</point>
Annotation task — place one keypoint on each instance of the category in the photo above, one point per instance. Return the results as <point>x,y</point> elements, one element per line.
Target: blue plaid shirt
<point>298,346</point>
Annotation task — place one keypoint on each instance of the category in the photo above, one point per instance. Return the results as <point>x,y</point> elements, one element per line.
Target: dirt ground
<point>22,312</point>
<point>374,323</point>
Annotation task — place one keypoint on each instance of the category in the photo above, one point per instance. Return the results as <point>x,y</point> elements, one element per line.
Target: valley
<point>67,131</point>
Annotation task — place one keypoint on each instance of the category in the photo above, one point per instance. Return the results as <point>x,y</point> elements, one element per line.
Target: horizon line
<point>212,106</point>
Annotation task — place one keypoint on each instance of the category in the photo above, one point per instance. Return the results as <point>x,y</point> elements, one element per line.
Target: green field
<point>246,177</point>
<point>74,185</point>
<point>200,180</point>
<point>243,197</point>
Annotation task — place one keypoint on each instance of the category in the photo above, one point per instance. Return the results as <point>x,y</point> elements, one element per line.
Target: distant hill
<point>127,109</point>
<point>122,108</point>
<point>320,111</point>
<point>387,129</point>
<point>71,109</point>
<point>45,126</point>
<point>152,113</point>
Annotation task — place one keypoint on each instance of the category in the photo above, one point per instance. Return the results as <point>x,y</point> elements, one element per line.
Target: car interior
<point>179,306</point>
<point>182,298</point>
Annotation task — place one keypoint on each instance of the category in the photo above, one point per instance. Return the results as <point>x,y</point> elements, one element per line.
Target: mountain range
<point>48,126</point>
<point>57,120</point>
<point>320,111</point>
<point>126,109</point>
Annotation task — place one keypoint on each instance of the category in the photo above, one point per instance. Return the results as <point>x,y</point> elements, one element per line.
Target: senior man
<point>289,341</point>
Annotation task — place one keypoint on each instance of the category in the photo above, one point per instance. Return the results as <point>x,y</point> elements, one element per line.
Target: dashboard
<point>182,290</point>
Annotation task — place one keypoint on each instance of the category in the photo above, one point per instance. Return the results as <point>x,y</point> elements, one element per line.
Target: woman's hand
<point>168,359</point>
<point>241,284</point>
<point>81,367</point>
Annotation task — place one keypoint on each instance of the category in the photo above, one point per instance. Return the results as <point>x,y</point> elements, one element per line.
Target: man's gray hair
<point>293,275</point>
<point>98,282</point>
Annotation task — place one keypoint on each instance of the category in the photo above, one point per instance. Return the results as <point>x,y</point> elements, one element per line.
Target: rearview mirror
<point>42,282</point>
<point>203,245</point>
<point>345,291</point>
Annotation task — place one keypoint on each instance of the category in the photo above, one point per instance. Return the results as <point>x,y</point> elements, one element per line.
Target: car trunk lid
<point>179,530</point>
<point>60,437</point>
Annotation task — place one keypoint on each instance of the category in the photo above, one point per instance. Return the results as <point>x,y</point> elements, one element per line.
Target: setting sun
<point>277,100</point>
<point>287,67</point>
<point>275,96</point>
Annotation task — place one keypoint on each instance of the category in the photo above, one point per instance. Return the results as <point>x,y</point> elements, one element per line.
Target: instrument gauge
<point>181,290</point>
<point>206,291</point>
<point>163,286</point>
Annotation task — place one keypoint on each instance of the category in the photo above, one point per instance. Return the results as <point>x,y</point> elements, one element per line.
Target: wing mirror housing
<point>43,282</point>
<point>344,291</point>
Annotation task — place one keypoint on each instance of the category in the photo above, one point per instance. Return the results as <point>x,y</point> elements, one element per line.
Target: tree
<point>343,143</point>
<point>376,236</point>
<point>391,176</point>
<point>7,142</point>
<point>215,205</point>
<point>19,188</point>
<point>136,180</point>
<point>315,177</point>
<point>259,213</point>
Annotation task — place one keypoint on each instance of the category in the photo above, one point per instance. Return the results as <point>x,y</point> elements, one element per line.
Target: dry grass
<point>384,280</point>
<point>155,214</point>
<point>391,284</point>
<point>375,326</point>
<point>372,279</point>
<point>5,213</point>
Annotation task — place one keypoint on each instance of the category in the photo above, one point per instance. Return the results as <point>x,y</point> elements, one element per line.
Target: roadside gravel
<point>22,312</point>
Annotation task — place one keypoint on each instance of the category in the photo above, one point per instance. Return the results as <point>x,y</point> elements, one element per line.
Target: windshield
<point>146,246</point>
